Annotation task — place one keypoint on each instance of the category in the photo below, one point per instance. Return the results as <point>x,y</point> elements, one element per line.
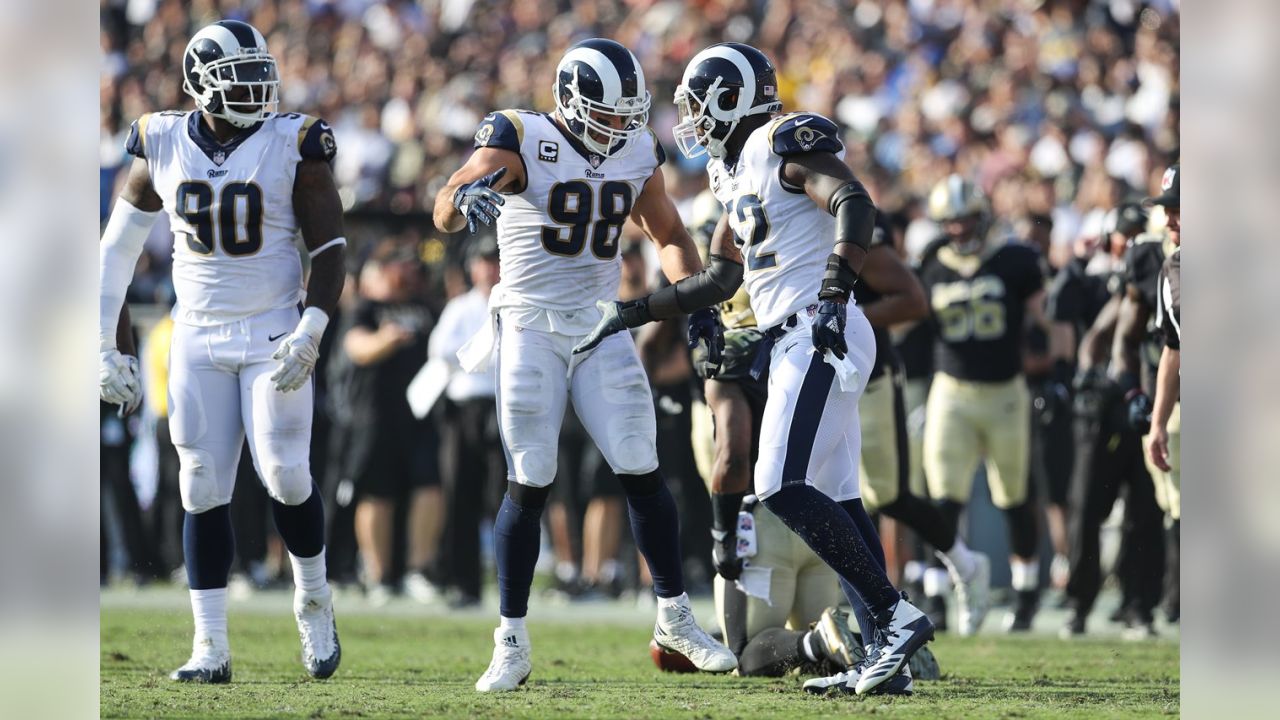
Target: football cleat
<point>973,594</point>
<point>210,663</point>
<point>838,643</point>
<point>1023,614</point>
<point>905,632</point>
<point>510,666</point>
<point>676,630</point>
<point>847,682</point>
<point>321,651</point>
<point>1074,628</point>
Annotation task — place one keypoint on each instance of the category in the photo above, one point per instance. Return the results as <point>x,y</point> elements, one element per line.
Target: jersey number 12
<point>237,225</point>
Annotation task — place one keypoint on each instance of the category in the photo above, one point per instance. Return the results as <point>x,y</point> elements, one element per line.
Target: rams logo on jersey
<point>807,137</point>
<point>483,134</point>
<point>327,142</point>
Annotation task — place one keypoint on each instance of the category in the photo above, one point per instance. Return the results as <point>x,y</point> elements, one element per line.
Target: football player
<point>238,181</point>
<point>804,224</point>
<point>559,187</point>
<point>982,293</point>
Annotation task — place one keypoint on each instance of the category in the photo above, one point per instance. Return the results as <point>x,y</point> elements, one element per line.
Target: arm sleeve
<point>118,254</point>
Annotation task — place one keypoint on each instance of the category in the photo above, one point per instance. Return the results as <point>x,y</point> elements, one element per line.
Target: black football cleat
<point>1025,607</point>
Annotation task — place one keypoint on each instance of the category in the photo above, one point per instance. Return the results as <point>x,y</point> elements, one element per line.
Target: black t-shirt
<point>979,306</point>
<point>1076,297</point>
<point>1169,310</point>
<point>865,295</point>
<point>377,391</point>
<point>1142,273</point>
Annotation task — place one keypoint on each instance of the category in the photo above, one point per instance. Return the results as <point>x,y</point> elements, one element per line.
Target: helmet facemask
<point>705,125</point>
<point>242,89</point>
<point>582,116</point>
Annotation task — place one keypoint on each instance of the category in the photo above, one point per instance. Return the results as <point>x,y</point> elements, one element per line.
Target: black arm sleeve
<point>715,284</point>
<point>855,214</point>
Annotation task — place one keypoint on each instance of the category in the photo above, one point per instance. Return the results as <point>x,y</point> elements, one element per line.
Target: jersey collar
<point>216,151</point>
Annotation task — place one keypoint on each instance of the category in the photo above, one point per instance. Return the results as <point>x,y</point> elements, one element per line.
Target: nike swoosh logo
<point>274,338</point>
<point>801,122</point>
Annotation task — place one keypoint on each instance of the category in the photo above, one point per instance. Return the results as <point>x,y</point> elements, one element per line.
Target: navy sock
<point>517,534</point>
<point>301,526</point>
<point>1022,530</point>
<point>867,530</point>
<point>834,537</point>
<point>208,546</point>
<point>656,527</point>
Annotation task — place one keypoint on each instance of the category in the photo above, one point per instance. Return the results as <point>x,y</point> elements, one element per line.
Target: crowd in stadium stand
<point>1061,110</point>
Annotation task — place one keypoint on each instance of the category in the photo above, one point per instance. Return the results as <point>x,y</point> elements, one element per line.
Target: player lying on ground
<point>788,195</point>
<point>238,181</point>
<point>559,188</point>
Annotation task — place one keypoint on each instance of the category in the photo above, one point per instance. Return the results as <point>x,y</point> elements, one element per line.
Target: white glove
<point>119,380</point>
<point>299,351</point>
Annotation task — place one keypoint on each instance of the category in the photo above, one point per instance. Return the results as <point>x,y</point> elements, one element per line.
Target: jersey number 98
<point>572,205</point>
<point>237,224</point>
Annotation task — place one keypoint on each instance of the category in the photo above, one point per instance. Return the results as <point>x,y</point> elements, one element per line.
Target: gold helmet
<point>956,198</point>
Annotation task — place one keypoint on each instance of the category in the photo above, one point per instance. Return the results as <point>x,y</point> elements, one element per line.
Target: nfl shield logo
<point>595,161</point>
<point>219,157</point>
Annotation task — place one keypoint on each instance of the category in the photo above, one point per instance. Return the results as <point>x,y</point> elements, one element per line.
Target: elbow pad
<point>715,284</point>
<point>121,246</point>
<point>855,214</point>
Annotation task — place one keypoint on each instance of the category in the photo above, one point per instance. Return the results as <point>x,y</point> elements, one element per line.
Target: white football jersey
<point>230,207</point>
<point>558,237</point>
<point>784,237</point>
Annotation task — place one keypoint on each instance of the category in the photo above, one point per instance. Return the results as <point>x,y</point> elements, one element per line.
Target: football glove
<point>299,351</point>
<point>706,339</point>
<point>1139,411</point>
<point>615,317</point>
<point>828,328</point>
<point>119,380</point>
<point>477,200</point>
<point>724,554</point>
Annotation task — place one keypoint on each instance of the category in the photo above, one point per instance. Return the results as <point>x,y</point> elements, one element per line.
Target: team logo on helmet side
<point>1166,180</point>
<point>722,85</point>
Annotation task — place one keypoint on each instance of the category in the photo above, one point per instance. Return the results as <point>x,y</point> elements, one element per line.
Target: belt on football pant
<point>771,336</point>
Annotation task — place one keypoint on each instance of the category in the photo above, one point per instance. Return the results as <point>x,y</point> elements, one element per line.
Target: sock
<point>608,571</point>
<point>681,600</point>
<point>516,536</point>
<point>566,571</point>
<point>301,526</point>
<point>867,531</point>
<point>807,647</point>
<point>656,527</point>
<point>831,533</point>
<point>961,558</point>
<point>510,623</point>
<point>950,510</point>
<point>309,572</point>
<point>913,572</point>
<point>209,608</point>
<point>936,582</point>
<point>923,517</point>
<point>208,547</point>
<point>1022,529</point>
<point>1025,574</point>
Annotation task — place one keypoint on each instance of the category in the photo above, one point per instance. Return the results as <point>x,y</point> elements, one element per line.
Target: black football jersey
<point>978,305</point>
<point>863,293</point>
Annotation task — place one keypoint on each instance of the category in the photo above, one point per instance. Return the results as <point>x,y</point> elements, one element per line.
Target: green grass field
<point>410,664</point>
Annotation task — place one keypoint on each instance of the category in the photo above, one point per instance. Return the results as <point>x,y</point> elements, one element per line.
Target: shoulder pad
<point>931,250</point>
<point>804,132</point>
<point>502,129</point>
<point>315,140</point>
<point>136,144</point>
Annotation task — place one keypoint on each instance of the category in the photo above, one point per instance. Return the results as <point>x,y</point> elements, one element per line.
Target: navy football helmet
<point>599,79</point>
<point>722,85</point>
<point>230,73</point>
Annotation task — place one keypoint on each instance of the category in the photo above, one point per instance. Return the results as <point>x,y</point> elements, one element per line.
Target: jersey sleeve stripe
<point>307,122</point>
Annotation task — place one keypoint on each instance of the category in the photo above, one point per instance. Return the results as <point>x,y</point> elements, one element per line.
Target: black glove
<point>724,554</point>
<point>828,328</point>
<point>477,200</point>
<point>706,339</point>
<point>615,317</point>
<point>1139,411</point>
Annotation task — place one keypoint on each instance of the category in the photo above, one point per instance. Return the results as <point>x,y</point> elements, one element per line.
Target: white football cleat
<point>321,651</point>
<point>676,630</point>
<point>210,663</point>
<point>896,641</point>
<point>847,682</point>
<point>973,595</point>
<point>510,666</point>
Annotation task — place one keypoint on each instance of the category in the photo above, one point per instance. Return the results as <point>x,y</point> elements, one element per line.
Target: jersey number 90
<point>573,206</point>
<point>237,224</point>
